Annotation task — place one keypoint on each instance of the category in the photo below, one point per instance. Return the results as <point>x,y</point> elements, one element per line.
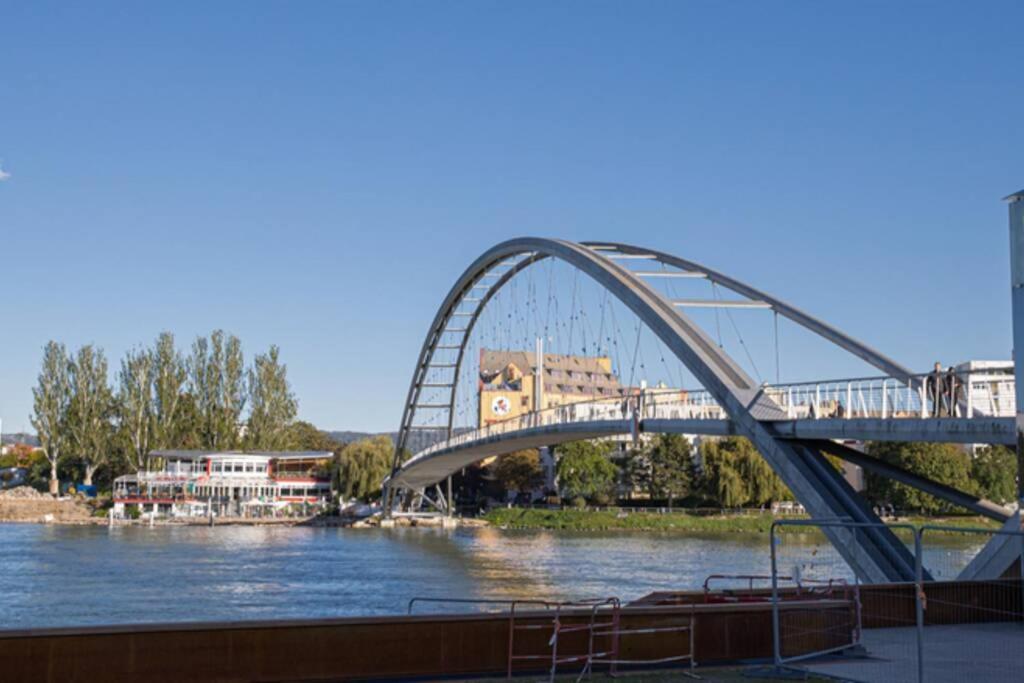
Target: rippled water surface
<point>60,576</point>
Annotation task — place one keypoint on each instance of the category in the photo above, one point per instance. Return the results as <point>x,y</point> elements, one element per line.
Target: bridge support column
<point>873,552</point>
<point>1016,207</point>
<point>451,500</point>
<point>1001,552</point>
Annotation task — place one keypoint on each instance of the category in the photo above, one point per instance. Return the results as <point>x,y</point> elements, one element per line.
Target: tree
<point>763,485</point>
<point>173,420</point>
<point>216,374</point>
<point>994,471</point>
<point>735,474</point>
<point>520,471</point>
<point>305,437</point>
<point>584,469</point>
<point>672,471</point>
<point>637,471</point>
<point>135,407</point>
<point>273,405</point>
<point>941,462</point>
<point>721,481</point>
<point>18,455</point>
<point>90,410</point>
<point>50,399</point>
<point>362,466</point>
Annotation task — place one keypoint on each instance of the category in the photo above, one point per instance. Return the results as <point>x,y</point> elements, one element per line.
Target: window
<point>249,467</point>
<point>216,467</point>
<point>239,467</point>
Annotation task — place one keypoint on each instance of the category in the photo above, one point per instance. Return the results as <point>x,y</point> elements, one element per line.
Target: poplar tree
<point>171,418</point>
<point>272,403</point>
<point>216,380</point>
<point>50,399</point>
<point>135,406</point>
<point>90,409</point>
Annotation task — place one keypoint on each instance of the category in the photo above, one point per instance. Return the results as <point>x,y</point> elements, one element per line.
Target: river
<point>75,575</point>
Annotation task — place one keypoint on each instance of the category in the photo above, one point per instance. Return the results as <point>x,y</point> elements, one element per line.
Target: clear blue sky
<point>316,174</point>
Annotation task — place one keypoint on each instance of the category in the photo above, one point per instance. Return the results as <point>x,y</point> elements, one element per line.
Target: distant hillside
<point>20,437</point>
<point>346,437</point>
<point>417,440</point>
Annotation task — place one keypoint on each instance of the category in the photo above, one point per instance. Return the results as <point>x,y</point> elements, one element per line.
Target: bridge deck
<point>436,463</point>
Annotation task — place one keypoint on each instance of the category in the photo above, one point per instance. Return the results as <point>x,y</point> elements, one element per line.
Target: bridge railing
<point>924,396</point>
<point>598,409</point>
<point>973,395</point>
<point>886,398</point>
<point>868,397</point>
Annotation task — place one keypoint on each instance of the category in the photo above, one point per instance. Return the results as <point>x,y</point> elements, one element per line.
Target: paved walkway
<point>977,653</point>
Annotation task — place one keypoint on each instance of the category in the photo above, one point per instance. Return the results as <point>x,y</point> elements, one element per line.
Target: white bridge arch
<point>792,444</point>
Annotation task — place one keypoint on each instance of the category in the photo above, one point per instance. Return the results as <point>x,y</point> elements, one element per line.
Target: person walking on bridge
<point>952,391</point>
<point>934,385</point>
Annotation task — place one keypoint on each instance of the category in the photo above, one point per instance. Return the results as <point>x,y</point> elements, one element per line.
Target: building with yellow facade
<point>508,382</point>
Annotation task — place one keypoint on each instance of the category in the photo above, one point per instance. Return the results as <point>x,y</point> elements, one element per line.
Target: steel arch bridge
<point>783,422</point>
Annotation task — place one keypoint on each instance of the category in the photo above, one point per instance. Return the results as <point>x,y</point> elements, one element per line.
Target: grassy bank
<point>602,520</point>
<point>597,520</point>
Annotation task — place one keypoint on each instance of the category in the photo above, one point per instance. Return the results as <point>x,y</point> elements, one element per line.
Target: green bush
<point>602,499</point>
<point>132,512</point>
<point>578,502</point>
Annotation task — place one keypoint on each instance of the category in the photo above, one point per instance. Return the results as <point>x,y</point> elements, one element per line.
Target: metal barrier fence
<point>961,619</point>
<point>585,633</point>
<point>973,625</point>
<point>603,623</point>
<point>822,640</point>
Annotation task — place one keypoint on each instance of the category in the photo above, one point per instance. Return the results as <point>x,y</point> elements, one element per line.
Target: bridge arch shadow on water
<point>786,423</point>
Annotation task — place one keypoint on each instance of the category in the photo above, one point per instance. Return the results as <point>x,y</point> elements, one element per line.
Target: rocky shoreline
<point>25,505</point>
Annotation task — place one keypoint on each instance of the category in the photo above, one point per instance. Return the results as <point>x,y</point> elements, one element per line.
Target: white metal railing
<point>965,395</point>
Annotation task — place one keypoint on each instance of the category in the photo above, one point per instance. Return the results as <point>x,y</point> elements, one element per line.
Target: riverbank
<point>675,522</point>
<point>26,505</point>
